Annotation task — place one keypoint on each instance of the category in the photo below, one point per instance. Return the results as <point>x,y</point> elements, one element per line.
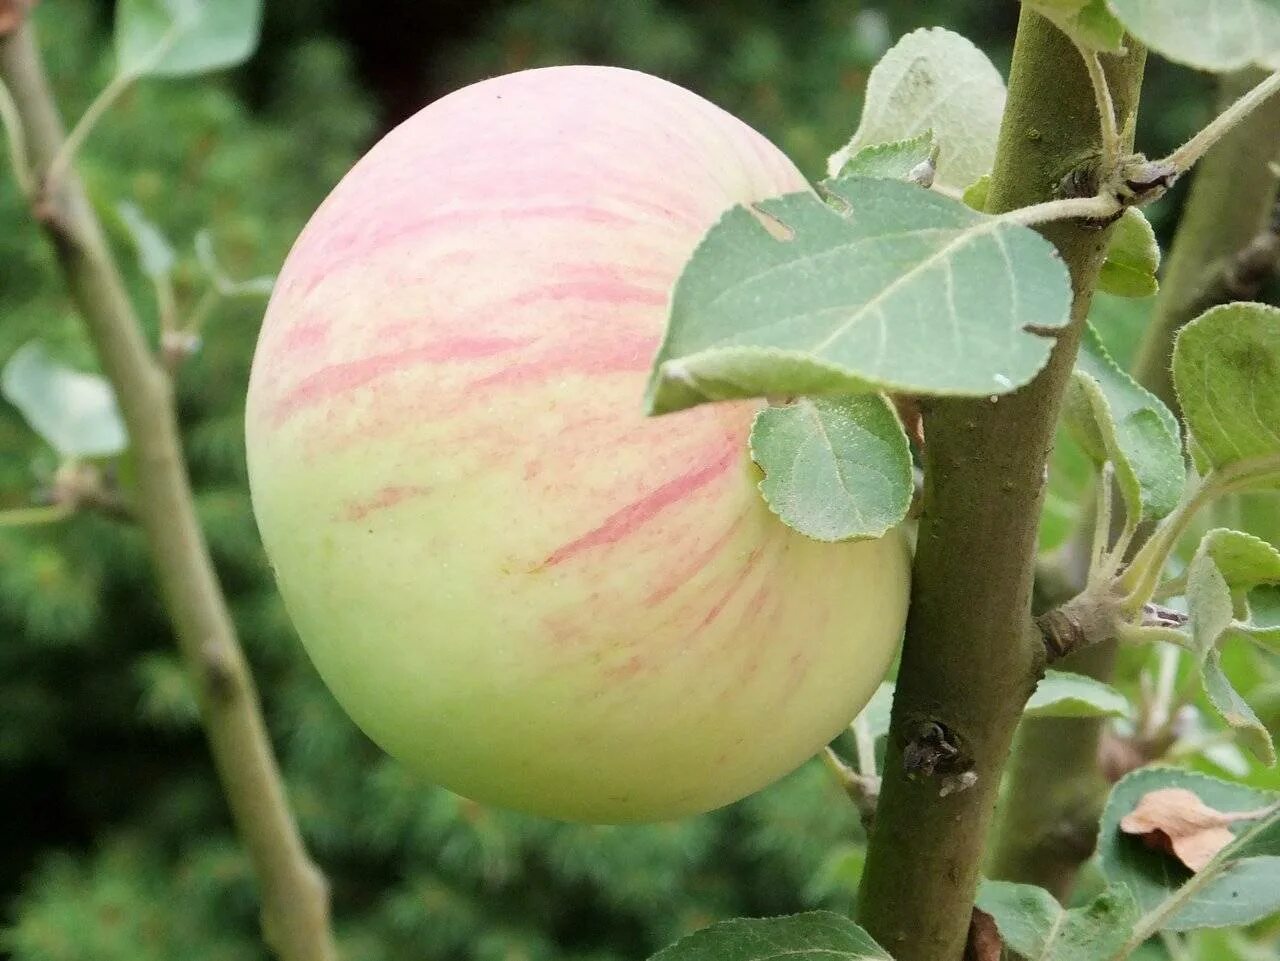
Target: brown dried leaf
<point>984,938</point>
<point>1176,821</point>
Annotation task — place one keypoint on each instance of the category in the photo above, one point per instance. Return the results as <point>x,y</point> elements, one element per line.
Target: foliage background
<point>116,844</point>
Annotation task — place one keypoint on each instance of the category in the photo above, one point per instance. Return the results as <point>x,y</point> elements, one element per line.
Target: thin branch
<point>32,516</point>
<point>17,138</point>
<point>295,907</point>
<point>1185,157</point>
<point>1070,208</point>
<point>103,102</point>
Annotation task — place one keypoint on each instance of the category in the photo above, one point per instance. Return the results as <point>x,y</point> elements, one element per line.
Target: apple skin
<point>513,581</point>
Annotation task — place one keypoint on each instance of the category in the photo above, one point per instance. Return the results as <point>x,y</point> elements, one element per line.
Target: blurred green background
<point>115,843</point>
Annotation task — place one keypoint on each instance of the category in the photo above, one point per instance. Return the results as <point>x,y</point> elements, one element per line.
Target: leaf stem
<point>1107,129</point>
<point>865,745</point>
<point>31,516</point>
<point>1185,157</point>
<point>57,168</point>
<point>18,159</point>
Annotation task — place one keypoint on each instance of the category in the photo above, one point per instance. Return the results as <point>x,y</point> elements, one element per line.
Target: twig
<point>1070,208</point>
<point>31,516</point>
<point>1185,157</point>
<point>12,124</point>
<point>295,908</point>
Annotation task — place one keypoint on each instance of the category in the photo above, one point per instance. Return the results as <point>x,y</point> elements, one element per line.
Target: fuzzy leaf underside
<point>1216,35</point>
<point>933,79</point>
<point>171,38</point>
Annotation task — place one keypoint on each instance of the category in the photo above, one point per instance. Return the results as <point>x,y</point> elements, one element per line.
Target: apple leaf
<point>1032,922</point>
<point>1062,694</point>
<point>1088,21</point>
<point>895,160</point>
<point>75,413</point>
<point>1133,257</point>
<point>1212,618</point>
<point>901,289</point>
<point>933,79</point>
<point>835,468</point>
<point>1226,369</point>
<point>1115,419</point>
<point>813,936</point>
<point>171,38</point>
<point>1216,35</point>
<point>1239,886</point>
<point>155,255</point>
<point>1244,561</point>
<point>879,709</point>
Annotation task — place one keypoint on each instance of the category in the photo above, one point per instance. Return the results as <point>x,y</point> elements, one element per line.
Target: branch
<point>295,900</point>
<point>972,653</point>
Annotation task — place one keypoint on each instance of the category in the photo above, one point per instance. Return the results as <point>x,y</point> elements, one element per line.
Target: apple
<point>515,582</point>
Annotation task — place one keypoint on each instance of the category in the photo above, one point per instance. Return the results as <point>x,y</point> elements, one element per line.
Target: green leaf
<point>1226,368</point>
<point>1133,257</point>
<point>903,290</point>
<point>933,79</point>
<point>74,412</point>
<point>878,710</point>
<point>1212,617</point>
<point>896,160</point>
<point>1032,923</point>
<point>1244,561</point>
<point>975,195</point>
<point>1115,419</point>
<point>155,255</point>
<point>1062,694</point>
<point>814,936</point>
<point>171,38</point>
<point>1089,21</point>
<point>1240,886</point>
<point>835,469</point>
<point>1217,35</point>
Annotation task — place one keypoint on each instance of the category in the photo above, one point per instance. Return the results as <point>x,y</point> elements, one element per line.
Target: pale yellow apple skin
<point>512,580</point>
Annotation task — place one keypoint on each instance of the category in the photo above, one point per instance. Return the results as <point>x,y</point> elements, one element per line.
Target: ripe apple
<point>513,581</point>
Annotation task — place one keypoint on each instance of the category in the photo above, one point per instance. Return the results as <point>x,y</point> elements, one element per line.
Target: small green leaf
<point>171,38</point>
<point>896,160</point>
<point>1212,618</point>
<point>1133,257</point>
<point>1115,419</point>
<point>975,195</point>
<point>1032,923</point>
<point>933,79</point>
<point>1240,886</point>
<point>1088,21</point>
<point>75,413</point>
<point>1244,561</point>
<point>1226,368</point>
<point>878,710</point>
<point>155,255</point>
<point>904,290</point>
<point>1217,35</point>
<point>835,469</point>
<point>1062,694</point>
<point>814,936</point>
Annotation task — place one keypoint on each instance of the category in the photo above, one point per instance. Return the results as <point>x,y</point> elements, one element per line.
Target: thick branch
<point>294,895</point>
<point>1229,204</point>
<point>972,652</point>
